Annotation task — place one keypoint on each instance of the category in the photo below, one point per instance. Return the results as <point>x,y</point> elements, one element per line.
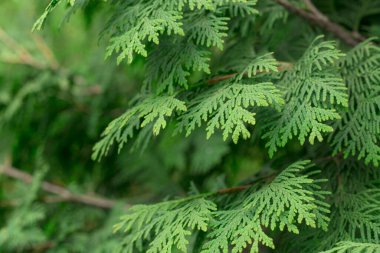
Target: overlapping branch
<point>314,16</point>
<point>63,193</point>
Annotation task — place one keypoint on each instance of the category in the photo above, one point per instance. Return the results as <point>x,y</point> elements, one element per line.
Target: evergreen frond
<point>259,64</point>
<point>358,133</point>
<point>228,107</point>
<point>312,88</point>
<point>23,223</point>
<point>170,65</point>
<point>241,9</point>
<point>292,198</point>
<point>207,29</point>
<point>148,22</point>
<point>151,110</point>
<point>165,225</point>
<point>354,216</point>
<point>49,8</point>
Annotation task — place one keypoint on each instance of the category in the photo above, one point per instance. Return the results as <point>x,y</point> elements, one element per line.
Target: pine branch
<point>62,192</point>
<point>319,19</point>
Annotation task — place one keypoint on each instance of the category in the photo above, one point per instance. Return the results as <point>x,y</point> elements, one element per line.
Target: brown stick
<point>23,55</point>
<point>62,192</point>
<point>233,189</point>
<point>317,18</point>
<point>218,79</point>
<point>309,4</point>
<point>281,67</point>
<point>46,51</point>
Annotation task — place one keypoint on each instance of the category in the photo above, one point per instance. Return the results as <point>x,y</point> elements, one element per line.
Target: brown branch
<point>41,247</point>
<point>247,185</point>
<point>314,16</point>
<point>63,193</point>
<point>23,55</point>
<point>46,51</point>
<point>281,67</point>
<point>233,189</point>
<point>218,79</point>
<point>309,4</point>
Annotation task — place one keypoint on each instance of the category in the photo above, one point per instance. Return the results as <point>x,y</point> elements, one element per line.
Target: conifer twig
<point>63,193</point>
<point>309,4</point>
<point>316,17</point>
<point>46,51</point>
<point>23,56</point>
<point>282,66</point>
<point>233,189</point>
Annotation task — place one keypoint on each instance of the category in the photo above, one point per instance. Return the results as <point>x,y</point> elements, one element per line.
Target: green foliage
<point>218,96</point>
<point>260,64</point>
<point>227,107</point>
<point>146,21</point>
<point>312,88</point>
<point>354,210</point>
<point>23,224</point>
<point>165,225</point>
<point>170,65</point>
<point>292,198</point>
<point>346,247</point>
<point>51,6</point>
<point>151,109</point>
<point>358,133</point>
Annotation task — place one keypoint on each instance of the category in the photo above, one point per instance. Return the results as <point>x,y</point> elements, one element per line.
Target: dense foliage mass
<point>213,126</point>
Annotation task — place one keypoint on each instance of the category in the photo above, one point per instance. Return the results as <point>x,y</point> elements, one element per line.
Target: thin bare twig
<point>46,51</point>
<point>281,67</point>
<point>23,56</point>
<point>218,79</point>
<point>63,193</point>
<point>233,189</point>
<point>309,4</point>
<point>316,17</point>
